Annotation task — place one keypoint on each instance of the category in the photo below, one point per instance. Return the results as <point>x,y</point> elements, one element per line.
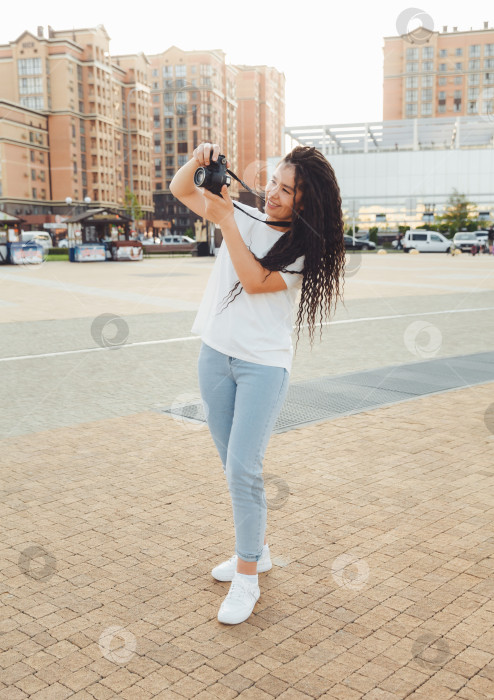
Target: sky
<point>331,54</point>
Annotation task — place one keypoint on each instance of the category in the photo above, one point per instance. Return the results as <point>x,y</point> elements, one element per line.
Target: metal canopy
<point>401,134</point>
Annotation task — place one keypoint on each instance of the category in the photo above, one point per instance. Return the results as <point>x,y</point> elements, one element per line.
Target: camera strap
<point>256,194</point>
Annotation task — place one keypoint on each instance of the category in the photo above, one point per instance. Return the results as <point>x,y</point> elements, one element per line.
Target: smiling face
<point>280,192</point>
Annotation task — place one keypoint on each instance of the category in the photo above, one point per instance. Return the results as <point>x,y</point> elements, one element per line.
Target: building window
<point>412,81</point>
<point>426,109</point>
<point>489,63</point>
<point>442,67</point>
<point>474,64</point>
<point>472,107</point>
<point>29,86</point>
<point>459,52</point>
<point>427,52</point>
<point>474,79</point>
<point>33,102</point>
<point>412,54</point>
<point>427,66</point>
<point>459,65</point>
<point>29,66</point>
<point>167,71</point>
<point>411,96</point>
<point>443,53</point>
<point>489,78</point>
<point>458,79</point>
<point>427,81</point>
<point>154,73</point>
<point>33,174</point>
<point>473,93</point>
<point>180,83</point>
<point>181,97</point>
<point>441,81</point>
<point>426,94</point>
<point>411,110</point>
<point>474,50</point>
<point>170,161</point>
<point>31,154</point>
<point>182,147</point>
<point>412,67</point>
<point>35,195</point>
<point>180,71</point>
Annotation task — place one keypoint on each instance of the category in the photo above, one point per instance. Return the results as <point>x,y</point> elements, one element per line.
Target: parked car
<point>360,244</point>
<point>63,243</point>
<point>41,237</point>
<point>167,240</point>
<point>425,241</point>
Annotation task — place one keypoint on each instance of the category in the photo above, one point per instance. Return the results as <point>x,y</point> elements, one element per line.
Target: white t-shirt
<point>253,327</point>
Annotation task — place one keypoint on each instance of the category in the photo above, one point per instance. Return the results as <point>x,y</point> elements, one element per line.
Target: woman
<point>245,321</point>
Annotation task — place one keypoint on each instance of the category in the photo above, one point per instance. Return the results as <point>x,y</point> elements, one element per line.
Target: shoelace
<point>238,590</point>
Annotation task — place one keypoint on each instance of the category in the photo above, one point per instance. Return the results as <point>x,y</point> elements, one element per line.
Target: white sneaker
<point>240,601</point>
<point>226,570</point>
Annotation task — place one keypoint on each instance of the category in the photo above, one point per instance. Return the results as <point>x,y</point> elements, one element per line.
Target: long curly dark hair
<point>316,232</point>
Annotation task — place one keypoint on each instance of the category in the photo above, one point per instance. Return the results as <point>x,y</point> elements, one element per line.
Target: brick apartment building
<point>74,121</point>
<point>65,130</point>
<point>439,74</point>
<point>197,97</point>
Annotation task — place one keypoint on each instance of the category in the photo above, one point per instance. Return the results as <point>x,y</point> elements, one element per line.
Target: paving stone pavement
<point>380,524</point>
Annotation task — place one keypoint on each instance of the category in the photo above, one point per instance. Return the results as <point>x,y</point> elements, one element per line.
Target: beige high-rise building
<point>260,120</point>
<point>197,97</point>
<point>66,92</point>
<point>193,100</point>
<point>439,74</point>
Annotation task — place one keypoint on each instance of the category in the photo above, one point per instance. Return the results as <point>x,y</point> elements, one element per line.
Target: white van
<point>41,237</point>
<point>425,241</point>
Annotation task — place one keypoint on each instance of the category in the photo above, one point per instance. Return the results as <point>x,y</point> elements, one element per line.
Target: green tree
<point>458,213</point>
<point>132,206</point>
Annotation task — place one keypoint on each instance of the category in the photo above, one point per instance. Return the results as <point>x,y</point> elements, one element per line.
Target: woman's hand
<point>219,210</point>
<point>203,153</point>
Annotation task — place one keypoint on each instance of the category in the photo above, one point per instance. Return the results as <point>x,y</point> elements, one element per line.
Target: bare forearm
<point>183,180</point>
<point>249,271</point>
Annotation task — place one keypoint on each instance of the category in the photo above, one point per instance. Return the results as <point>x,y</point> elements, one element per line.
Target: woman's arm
<point>182,187</point>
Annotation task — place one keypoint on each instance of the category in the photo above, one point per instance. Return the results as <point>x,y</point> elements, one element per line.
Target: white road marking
<point>197,337</point>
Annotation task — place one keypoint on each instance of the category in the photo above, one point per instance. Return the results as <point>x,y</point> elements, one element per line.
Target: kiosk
<point>12,248</point>
<point>101,234</point>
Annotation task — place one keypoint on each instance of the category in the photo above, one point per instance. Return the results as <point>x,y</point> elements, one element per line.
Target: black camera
<point>213,176</point>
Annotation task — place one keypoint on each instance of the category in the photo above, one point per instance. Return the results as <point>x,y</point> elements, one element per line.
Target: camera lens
<point>199,177</point>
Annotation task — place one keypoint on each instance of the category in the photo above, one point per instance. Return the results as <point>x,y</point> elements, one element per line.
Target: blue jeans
<point>242,401</point>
